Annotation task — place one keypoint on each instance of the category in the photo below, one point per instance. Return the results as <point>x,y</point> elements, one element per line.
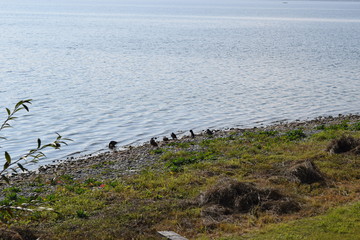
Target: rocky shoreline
<point>114,164</point>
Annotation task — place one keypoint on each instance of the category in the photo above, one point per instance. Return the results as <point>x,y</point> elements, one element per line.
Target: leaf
<point>46,146</point>
<point>18,104</point>
<point>39,143</point>
<point>6,165</point>
<point>32,151</point>
<point>7,157</point>
<point>5,179</point>
<point>9,210</point>
<point>37,156</point>
<point>59,136</point>
<point>35,161</point>
<point>18,109</point>
<point>8,111</point>
<point>62,142</point>
<point>26,107</point>
<point>67,139</point>
<point>21,167</point>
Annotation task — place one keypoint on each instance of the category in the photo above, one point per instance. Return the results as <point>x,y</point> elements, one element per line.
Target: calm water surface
<point>103,70</point>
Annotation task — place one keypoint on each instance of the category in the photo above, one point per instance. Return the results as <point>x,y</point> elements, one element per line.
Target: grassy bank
<point>272,183</point>
<point>340,223</point>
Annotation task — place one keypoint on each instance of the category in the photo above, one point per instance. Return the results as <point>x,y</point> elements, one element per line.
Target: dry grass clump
<point>9,234</point>
<point>305,173</point>
<point>231,197</point>
<point>344,144</point>
<point>16,234</point>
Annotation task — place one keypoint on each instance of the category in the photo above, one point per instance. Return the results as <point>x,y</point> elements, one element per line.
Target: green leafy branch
<point>19,106</point>
<point>34,155</point>
<point>14,166</point>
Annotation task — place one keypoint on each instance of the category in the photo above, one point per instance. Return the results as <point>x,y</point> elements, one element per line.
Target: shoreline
<point>247,179</point>
<point>131,160</point>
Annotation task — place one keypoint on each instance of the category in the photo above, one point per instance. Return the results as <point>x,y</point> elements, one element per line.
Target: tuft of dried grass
<point>229,196</point>
<point>305,172</point>
<point>343,144</point>
<point>10,235</point>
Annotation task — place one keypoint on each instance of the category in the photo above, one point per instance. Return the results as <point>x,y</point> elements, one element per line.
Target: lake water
<point>102,70</point>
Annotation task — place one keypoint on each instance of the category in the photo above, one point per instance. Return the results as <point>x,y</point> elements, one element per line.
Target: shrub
<point>81,214</point>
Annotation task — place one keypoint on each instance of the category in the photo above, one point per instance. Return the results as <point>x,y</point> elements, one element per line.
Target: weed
<point>344,125</point>
<point>12,189</point>
<point>12,196</point>
<point>341,126</point>
<point>50,197</point>
<point>67,178</point>
<point>295,135</point>
<point>356,126</point>
<point>320,127</point>
<point>176,164</point>
<point>325,135</point>
<point>39,190</point>
<point>82,214</point>
<point>177,160</point>
<point>92,182</point>
<point>79,190</point>
<point>113,184</point>
<point>269,133</point>
<point>157,151</point>
<point>102,164</point>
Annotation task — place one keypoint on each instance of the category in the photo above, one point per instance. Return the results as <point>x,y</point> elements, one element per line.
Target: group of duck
<point>153,142</point>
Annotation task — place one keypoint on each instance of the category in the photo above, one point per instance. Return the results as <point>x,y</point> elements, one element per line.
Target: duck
<point>153,142</point>
<point>112,144</point>
<point>173,136</point>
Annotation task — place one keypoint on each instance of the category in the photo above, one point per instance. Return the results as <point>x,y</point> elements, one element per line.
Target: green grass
<point>345,125</point>
<point>340,223</point>
<point>164,197</point>
<point>294,135</point>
